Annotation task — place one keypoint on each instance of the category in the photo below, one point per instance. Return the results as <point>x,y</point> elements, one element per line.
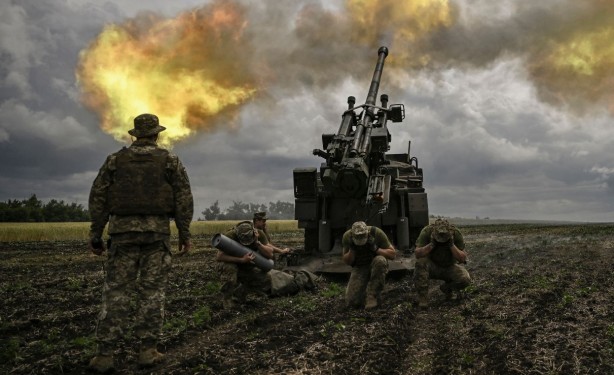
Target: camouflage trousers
<point>237,281</point>
<point>291,282</point>
<point>455,276</point>
<point>366,280</point>
<point>133,268</point>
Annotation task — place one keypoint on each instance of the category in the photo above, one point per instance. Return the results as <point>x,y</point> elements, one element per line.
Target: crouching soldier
<point>440,253</point>
<point>367,249</point>
<point>240,275</point>
<point>259,221</point>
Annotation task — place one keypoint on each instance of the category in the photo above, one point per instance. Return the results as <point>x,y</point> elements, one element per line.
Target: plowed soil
<point>541,303</point>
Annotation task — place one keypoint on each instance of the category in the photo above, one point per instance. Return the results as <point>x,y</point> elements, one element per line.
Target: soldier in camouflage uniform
<point>367,249</point>
<point>239,274</point>
<point>137,191</point>
<point>259,221</point>
<point>440,251</point>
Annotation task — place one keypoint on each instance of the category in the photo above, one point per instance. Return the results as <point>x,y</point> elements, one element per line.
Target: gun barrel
<point>360,143</point>
<point>377,75</point>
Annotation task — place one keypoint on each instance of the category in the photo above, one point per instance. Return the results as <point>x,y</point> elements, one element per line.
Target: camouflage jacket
<point>98,200</point>
<point>441,254</point>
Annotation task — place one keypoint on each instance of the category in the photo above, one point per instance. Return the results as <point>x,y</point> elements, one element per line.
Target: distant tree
<point>213,212</point>
<point>281,210</point>
<point>34,208</point>
<point>17,214</point>
<point>54,211</point>
<point>76,212</point>
<point>245,211</point>
<point>238,211</point>
<point>255,207</point>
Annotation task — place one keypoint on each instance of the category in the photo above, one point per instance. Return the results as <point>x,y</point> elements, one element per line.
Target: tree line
<point>35,210</point>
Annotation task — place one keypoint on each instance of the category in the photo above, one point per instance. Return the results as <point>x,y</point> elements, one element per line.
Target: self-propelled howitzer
<point>359,181</point>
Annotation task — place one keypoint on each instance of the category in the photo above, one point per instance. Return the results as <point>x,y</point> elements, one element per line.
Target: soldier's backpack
<point>140,184</point>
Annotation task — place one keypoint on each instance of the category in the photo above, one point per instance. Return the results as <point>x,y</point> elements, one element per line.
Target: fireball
<point>189,70</point>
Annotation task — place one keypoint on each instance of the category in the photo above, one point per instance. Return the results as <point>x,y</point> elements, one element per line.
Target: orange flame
<point>187,70</point>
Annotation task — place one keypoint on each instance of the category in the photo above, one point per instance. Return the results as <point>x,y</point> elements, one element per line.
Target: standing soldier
<point>367,249</point>
<point>137,190</point>
<point>440,251</point>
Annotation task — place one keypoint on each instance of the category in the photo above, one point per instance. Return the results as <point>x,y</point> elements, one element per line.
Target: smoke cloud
<point>206,62</point>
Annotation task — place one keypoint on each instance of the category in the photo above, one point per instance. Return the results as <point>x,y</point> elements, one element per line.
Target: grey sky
<point>496,131</point>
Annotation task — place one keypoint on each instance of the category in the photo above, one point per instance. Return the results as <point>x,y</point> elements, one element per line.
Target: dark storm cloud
<point>45,135</point>
<point>487,141</point>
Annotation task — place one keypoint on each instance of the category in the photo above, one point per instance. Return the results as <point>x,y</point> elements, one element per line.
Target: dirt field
<point>541,303</point>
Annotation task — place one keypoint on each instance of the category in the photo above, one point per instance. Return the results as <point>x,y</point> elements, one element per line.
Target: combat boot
<point>102,364</point>
<point>150,357</point>
<point>371,302</point>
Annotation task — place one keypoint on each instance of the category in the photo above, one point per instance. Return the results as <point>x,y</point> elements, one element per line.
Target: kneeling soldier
<point>440,248</point>
<point>240,275</point>
<point>367,249</point>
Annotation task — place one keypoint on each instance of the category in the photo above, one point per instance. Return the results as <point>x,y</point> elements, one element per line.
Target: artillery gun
<point>359,181</point>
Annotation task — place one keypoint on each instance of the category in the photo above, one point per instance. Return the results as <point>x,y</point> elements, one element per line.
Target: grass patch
<point>567,299</point>
<point>542,282</point>
<point>9,349</point>
<point>212,287</point>
<point>175,326</point>
<point>74,283</point>
<point>202,316</point>
<point>330,327</point>
<point>299,303</point>
<point>332,290</point>
<point>84,342</point>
